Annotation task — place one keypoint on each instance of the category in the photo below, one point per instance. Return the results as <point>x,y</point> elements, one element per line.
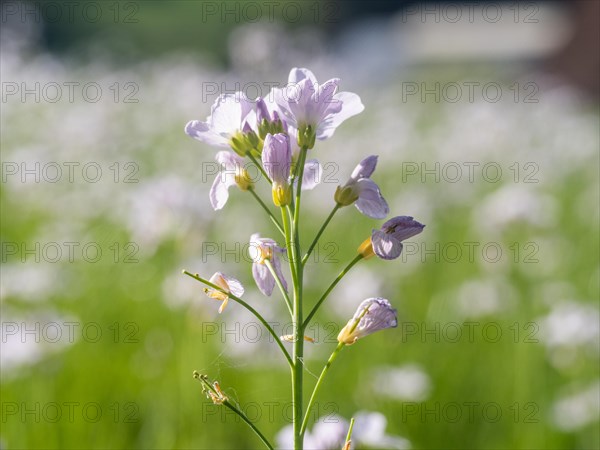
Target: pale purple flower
<point>363,192</point>
<point>313,171</point>
<point>372,315</point>
<point>304,103</point>
<point>260,250</point>
<point>387,242</point>
<point>233,173</point>
<point>277,157</point>
<point>277,161</point>
<point>231,116</point>
<point>228,284</point>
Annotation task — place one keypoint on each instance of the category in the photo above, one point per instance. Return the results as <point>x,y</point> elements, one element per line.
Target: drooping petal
<point>365,168</point>
<point>235,286</point>
<point>277,157</point>
<point>277,269</point>
<point>312,174</point>
<point>264,279</point>
<point>219,191</point>
<point>370,201</point>
<point>402,227</point>
<point>204,133</point>
<point>385,245</point>
<point>351,106</point>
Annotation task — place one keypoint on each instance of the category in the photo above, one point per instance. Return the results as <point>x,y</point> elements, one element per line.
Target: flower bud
<point>243,179</point>
<point>306,137</point>
<point>345,195</point>
<point>282,194</point>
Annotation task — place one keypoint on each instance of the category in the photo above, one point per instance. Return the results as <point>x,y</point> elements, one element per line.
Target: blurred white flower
<point>406,383</point>
<point>329,433</point>
<point>573,411</point>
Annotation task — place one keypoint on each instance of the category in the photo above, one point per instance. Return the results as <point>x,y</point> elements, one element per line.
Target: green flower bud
<point>346,195</point>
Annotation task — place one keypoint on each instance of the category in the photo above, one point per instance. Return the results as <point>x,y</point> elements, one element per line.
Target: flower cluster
<point>274,135</point>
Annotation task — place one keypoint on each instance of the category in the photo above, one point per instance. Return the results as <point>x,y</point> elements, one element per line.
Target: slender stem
<point>330,288</point>
<point>318,385</point>
<point>245,419</point>
<point>349,435</point>
<point>249,308</point>
<point>289,245</point>
<point>286,297</point>
<point>298,349</point>
<point>314,243</point>
<point>267,210</point>
<point>206,385</point>
<point>260,167</point>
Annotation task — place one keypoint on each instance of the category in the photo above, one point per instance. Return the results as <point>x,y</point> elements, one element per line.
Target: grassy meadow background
<point>498,340</point>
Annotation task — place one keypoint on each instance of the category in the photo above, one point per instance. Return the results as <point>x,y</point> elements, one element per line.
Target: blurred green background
<point>487,131</point>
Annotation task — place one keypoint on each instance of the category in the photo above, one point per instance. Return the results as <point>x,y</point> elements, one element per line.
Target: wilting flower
<point>277,161</point>
<point>230,124</point>
<point>314,110</point>
<point>262,250</point>
<point>387,242</point>
<point>228,284</point>
<point>372,315</point>
<point>362,190</point>
<point>233,173</point>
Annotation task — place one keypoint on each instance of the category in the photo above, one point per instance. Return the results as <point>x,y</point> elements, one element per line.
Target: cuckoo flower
<point>233,173</point>
<point>362,190</point>
<point>262,250</point>
<point>268,118</point>
<point>277,161</point>
<point>372,315</point>
<point>314,110</point>
<point>230,124</point>
<point>386,243</point>
<point>228,284</point>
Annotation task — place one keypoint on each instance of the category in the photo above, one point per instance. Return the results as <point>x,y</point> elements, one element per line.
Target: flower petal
<point>219,191</point>
<point>204,133</point>
<point>402,227</point>
<point>370,201</point>
<point>235,286</point>
<point>264,279</point>
<point>351,106</point>
<point>277,268</point>
<point>365,168</point>
<point>228,113</point>
<point>277,157</point>
<point>312,174</point>
<point>385,245</point>
<point>298,74</point>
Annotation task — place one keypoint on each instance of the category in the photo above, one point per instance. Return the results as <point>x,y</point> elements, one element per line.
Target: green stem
<point>286,297</point>
<point>330,288</point>
<point>249,308</point>
<point>229,405</point>
<point>298,350</point>
<point>349,435</point>
<point>260,167</point>
<point>245,419</point>
<point>314,243</point>
<point>267,210</point>
<point>318,385</point>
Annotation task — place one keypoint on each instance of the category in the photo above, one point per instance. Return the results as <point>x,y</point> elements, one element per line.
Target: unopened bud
<point>345,195</point>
